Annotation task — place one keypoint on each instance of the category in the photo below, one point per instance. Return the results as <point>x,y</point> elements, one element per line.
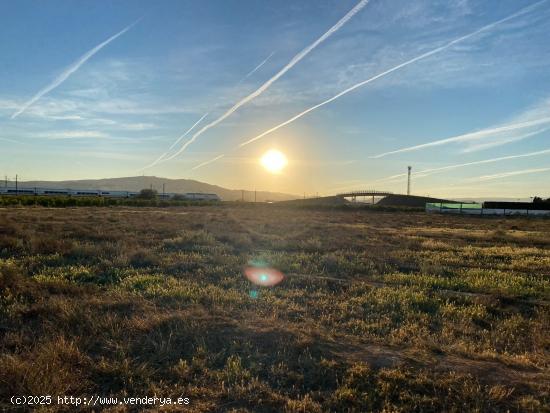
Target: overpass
<point>364,193</point>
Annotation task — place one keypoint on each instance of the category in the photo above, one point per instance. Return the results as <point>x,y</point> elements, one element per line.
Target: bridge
<point>369,192</point>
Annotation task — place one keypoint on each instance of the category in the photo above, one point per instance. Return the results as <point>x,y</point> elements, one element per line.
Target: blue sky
<point>127,103</point>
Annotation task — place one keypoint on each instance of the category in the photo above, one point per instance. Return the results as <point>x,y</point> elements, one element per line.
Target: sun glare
<point>274,161</point>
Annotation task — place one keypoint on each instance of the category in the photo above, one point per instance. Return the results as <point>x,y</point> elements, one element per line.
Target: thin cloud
<point>296,59</point>
<point>73,134</point>
<point>134,126</point>
<point>108,155</point>
<point>70,70</point>
<point>10,140</point>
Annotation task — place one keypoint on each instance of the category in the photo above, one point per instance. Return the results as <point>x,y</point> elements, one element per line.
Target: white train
<point>97,192</point>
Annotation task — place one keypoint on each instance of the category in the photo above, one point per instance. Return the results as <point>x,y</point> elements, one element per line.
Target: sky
<point>105,89</point>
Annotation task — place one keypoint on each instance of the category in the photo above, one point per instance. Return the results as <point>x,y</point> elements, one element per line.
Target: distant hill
<point>136,183</point>
<point>408,201</point>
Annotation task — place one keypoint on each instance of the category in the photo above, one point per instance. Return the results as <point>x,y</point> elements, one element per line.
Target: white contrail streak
<point>188,131</point>
<point>393,69</point>
<point>257,67</point>
<point>470,136</point>
<point>162,157</point>
<point>427,172</point>
<point>281,72</point>
<point>207,162</point>
<point>508,174</point>
<point>502,141</point>
<point>70,70</point>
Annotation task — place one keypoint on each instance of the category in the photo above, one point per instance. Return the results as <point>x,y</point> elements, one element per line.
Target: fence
<point>477,209</point>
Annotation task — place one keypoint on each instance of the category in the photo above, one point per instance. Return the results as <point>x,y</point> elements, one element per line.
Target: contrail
<point>285,69</point>
<point>186,133</point>
<point>427,172</point>
<point>163,158</point>
<point>257,67</point>
<point>502,141</point>
<point>207,162</point>
<point>71,69</point>
<point>174,144</point>
<point>393,69</point>
<point>508,174</point>
<point>470,136</point>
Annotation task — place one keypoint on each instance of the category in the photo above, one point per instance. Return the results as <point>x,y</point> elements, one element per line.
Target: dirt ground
<point>377,311</point>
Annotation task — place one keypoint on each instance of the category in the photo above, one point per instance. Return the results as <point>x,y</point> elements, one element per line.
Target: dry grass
<point>379,311</point>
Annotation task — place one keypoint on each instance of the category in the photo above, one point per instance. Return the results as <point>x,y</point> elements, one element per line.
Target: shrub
<point>144,258</point>
<point>148,194</point>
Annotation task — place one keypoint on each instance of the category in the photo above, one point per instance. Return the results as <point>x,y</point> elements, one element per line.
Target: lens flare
<point>263,276</point>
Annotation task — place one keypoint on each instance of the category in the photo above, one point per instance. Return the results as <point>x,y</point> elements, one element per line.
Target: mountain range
<point>137,183</point>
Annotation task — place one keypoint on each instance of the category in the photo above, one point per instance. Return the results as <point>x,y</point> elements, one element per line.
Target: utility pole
<point>254,196</point>
<point>5,181</point>
<point>163,190</point>
<point>16,188</point>
<point>409,180</point>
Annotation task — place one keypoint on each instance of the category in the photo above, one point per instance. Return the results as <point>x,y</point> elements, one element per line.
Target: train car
<point>201,197</point>
<point>196,196</point>
<point>115,194</point>
<point>212,197</point>
<point>83,192</point>
<point>52,191</point>
<point>18,191</point>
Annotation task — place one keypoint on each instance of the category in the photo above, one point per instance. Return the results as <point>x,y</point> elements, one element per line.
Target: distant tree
<point>539,200</point>
<point>179,197</point>
<point>147,194</point>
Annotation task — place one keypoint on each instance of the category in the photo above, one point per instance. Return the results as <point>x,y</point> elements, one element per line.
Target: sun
<point>274,161</point>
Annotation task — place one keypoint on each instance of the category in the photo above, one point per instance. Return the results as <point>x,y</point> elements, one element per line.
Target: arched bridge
<point>369,192</point>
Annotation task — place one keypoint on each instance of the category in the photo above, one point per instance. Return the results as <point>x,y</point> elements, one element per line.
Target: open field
<point>379,311</point>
